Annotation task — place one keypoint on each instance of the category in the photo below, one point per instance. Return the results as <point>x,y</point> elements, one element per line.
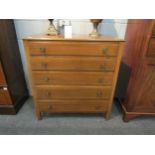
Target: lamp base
<point>95,23</point>
<point>51,30</point>
<point>94,34</point>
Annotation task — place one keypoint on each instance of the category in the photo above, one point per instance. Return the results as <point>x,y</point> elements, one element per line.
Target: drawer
<point>73,78</point>
<point>73,63</point>
<point>71,48</point>
<point>4,97</point>
<point>2,78</point>
<point>72,92</point>
<point>73,106</point>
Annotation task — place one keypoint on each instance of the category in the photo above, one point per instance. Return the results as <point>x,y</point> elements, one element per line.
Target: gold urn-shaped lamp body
<point>95,22</point>
<point>51,29</point>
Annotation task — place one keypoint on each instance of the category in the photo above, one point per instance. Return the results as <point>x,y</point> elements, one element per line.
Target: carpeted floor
<point>25,123</point>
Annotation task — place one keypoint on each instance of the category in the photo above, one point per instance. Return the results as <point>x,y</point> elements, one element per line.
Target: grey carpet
<point>25,123</point>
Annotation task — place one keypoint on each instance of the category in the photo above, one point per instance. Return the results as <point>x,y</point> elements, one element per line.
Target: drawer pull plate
<point>103,67</point>
<point>43,64</point>
<point>42,50</point>
<point>99,94</point>
<point>50,107</point>
<point>105,51</point>
<point>46,79</point>
<point>98,107</point>
<point>100,80</point>
<point>47,94</point>
<point>3,88</point>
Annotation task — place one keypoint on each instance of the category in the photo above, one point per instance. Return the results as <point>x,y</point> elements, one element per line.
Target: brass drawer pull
<point>3,88</point>
<point>105,51</point>
<point>50,107</point>
<point>98,107</point>
<point>46,79</point>
<point>103,67</point>
<point>44,64</point>
<point>47,94</point>
<point>99,94</point>
<point>100,80</point>
<point>42,50</point>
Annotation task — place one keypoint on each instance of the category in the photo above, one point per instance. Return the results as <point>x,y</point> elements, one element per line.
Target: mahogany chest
<point>138,63</point>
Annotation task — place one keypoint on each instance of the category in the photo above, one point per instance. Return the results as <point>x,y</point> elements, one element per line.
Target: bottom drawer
<point>5,97</point>
<point>73,106</point>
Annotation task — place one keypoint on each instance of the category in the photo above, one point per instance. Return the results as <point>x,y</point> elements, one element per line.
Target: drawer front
<point>72,92</point>
<point>64,48</point>
<point>73,63</point>
<point>73,106</point>
<point>73,78</point>
<point>2,78</point>
<point>4,97</point>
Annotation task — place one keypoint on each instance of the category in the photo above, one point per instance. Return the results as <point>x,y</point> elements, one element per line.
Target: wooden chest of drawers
<point>73,75</point>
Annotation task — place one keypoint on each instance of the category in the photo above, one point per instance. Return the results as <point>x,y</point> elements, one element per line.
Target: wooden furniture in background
<point>73,75</point>
<point>138,68</point>
<point>13,89</point>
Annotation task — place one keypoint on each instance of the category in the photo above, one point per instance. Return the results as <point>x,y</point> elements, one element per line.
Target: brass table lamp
<point>51,29</point>
<point>95,22</point>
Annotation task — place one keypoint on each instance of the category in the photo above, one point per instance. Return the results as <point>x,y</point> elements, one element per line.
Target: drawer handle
<point>105,51</point>
<point>47,94</point>
<point>98,107</point>
<point>103,67</point>
<point>46,79</point>
<point>100,80</point>
<point>44,65</point>
<point>50,107</point>
<point>3,88</point>
<point>42,50</point>
<point>99,94</point>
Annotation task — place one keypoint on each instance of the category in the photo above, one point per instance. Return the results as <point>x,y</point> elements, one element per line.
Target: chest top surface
<point>43,37</point>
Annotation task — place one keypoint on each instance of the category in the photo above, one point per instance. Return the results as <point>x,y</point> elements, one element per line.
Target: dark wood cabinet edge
<point>7,110</point>
<point>127,116</point>
<point>13,109</point>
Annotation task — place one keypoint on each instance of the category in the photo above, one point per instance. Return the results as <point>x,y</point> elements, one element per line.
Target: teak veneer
<point>75,74</point>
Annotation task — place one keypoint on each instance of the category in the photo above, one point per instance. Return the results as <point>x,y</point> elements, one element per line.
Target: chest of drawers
<point>73,75</point>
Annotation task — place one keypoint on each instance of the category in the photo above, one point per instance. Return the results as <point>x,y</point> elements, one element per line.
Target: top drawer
<point>38,48</point>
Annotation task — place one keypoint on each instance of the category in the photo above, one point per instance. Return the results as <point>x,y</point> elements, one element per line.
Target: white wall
<point>113,27</point>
